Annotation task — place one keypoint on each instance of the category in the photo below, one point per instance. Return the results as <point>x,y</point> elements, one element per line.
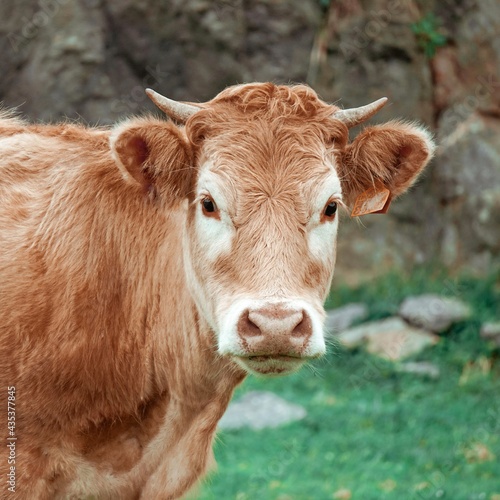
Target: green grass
<point>374,431</point>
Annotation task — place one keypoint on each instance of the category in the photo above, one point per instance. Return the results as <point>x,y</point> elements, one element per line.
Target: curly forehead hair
<point>298,101</point>
<point>296,109</point>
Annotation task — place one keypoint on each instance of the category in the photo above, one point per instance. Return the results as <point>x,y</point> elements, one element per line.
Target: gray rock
<point>393,339</point>
<point>362,47</point>
<point>55,54</point>
<point>434,312</point>
<point>390,338</point>
<point>356,336</point>
<point>491,331</point>
<point>467,177</point>
<point>341,318</point>
<point>422,368</point>
<point>260,410</point>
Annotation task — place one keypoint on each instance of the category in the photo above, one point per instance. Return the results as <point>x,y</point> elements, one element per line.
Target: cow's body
<point>93,299</point>
<point>120,371</point>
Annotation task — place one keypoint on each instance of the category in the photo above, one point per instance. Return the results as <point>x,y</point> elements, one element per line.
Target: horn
<point>179,111</point>
<point>355,116</point>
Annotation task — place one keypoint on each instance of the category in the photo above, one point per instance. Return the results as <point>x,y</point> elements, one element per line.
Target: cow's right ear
<point>392,154</point>
<point>154,155</point>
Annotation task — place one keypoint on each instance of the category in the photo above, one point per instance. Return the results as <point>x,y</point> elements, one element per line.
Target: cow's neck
<point>184,359</point>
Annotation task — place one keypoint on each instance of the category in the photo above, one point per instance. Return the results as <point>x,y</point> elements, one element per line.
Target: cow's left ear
<point>393,153</point>
<point>154,156</point>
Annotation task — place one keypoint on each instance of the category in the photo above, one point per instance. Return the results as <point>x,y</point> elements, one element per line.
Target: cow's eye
<point>209,206</point>
<point>330,210</point>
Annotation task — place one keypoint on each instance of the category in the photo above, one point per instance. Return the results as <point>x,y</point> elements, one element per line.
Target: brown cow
<point>145,270</point>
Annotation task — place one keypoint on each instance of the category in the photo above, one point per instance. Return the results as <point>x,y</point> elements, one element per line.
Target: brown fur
<point>393,153</point>
<point>118,383</point>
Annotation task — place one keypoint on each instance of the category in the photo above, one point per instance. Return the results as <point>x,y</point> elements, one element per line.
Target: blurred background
<point>372,430</point>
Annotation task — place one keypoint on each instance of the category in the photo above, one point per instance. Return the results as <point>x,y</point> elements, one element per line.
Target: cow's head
<point>264,170</point>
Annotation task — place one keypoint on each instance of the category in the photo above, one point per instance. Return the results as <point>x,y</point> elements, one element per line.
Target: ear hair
<point>154,155</point>
<point>394,153</point>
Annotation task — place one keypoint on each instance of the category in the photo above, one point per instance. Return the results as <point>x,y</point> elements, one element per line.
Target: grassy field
<point>373,432</point>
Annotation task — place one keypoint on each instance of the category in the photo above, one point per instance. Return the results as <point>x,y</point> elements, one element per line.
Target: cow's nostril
<point>304,328</point>
<point>246,327</point>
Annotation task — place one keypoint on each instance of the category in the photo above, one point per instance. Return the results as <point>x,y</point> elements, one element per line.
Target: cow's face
<point>270,169</point>
<point>260,239</point>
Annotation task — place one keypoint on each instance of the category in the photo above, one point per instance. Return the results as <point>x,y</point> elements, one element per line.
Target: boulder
<point>465,70</point>
<point>396,340</point>
<point>467,186</point>
<point>420,368</point>
<point>371,42</point>
<point>491,332</point>
<point>390,338</point>
<point>434,312</point>
<point>356,336</point>
<point>341,318</point>
<point>260,410</point>
<point>92,60</point>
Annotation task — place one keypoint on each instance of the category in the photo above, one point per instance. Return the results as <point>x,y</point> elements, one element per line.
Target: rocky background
<point>437,61</point>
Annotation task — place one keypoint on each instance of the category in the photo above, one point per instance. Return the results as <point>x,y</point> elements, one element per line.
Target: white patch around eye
<point>321,235</point>
<point>321,240</point>
<point>214,235</point>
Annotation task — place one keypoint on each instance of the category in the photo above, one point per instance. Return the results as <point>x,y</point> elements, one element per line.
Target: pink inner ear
<point>135,153</point>
<point>406,151</point>
<point>140,148</point>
